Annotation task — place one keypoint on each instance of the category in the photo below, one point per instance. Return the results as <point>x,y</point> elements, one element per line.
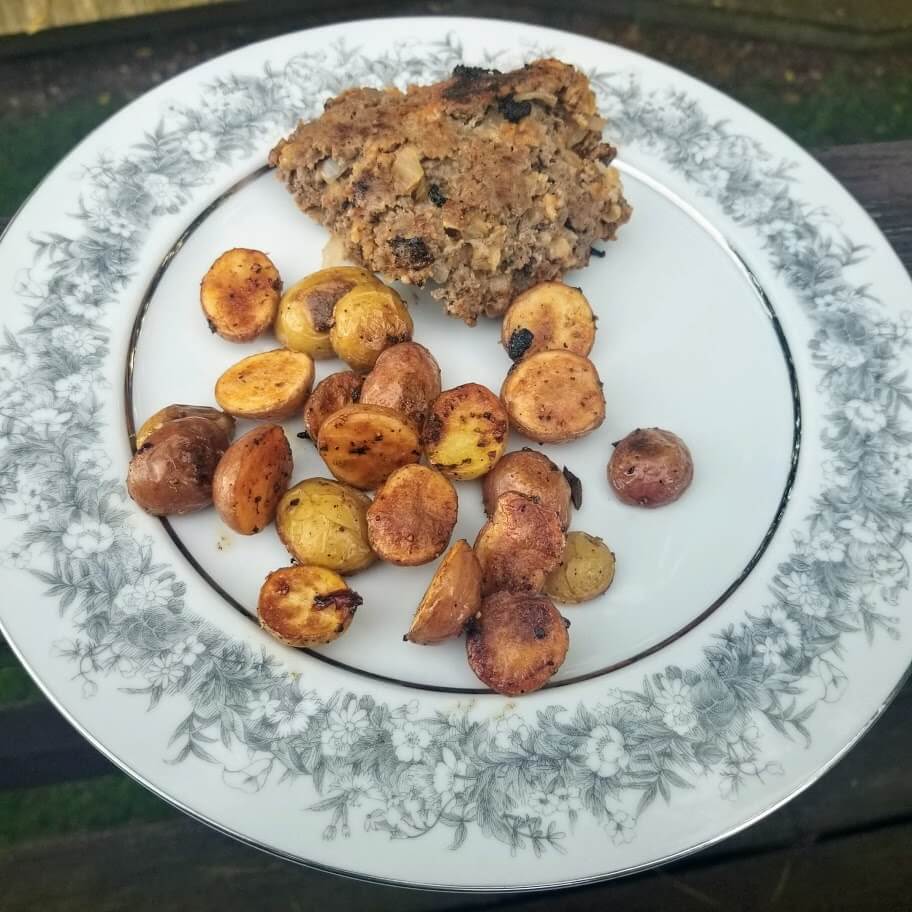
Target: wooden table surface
<point>845,844</point>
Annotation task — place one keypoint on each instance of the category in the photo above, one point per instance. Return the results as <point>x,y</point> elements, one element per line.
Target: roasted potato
<point>240,294</point>
<point>586,570</point>
<point>170,412</point>
<point>650,468</point>
<point>533,474</point>
<point>305,314</point>
<point>324,522</point>
<point>171,473</point>
<point>363,445</point>
<point>412,517</point>
<point>466,431</point>
<point>251,479</point>
<point>517,642</point>
<point>453,597</point>
<point>365,322</point>
<point>519,545</point>
<point>306,606</point>
<point>547,316</point>
<point>405,377</point>
<point>270,385</point>
<point>330,394</point>
<point>553,396</point>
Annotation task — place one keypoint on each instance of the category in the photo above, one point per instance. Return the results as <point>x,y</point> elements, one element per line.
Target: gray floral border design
<point>389,767</point>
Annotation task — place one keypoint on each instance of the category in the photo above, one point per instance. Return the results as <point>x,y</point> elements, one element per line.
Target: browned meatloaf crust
<point>478,186</point>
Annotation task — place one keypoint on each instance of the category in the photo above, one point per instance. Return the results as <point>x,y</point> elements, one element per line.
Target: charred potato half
<point>586,570</point>
<point>519,545</point>
<point>365,322</point>
<point>550,315</point>
<point>305,313</point>
<point>324,522</point>
<point>533,474</point>
<point>240,294</point>
<point>270,385</point>
<point>330,394</point>
<point>554,396</point>
<point>412,517</point>
<point>650,468</point>
<point>170,412</point>
<point>363,445</point>
<point>172,472</point>
<point>517,642</point>
<point>306,606</point>
<point>453,597</point>
<point>466,431</point>
<point>405,377</point>
<point>251,479</point>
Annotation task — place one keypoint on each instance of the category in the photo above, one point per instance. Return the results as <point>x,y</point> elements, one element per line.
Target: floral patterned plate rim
<point>447,791</point>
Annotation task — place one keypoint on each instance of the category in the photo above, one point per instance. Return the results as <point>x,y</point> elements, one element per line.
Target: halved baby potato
<point>305,313</point>
<point>553,396</point>
<point>330,394</point>
<point>451,600</point>
<point>172,412</point>
<point>519,545</point>
<point>412,517</point>
<point>240,294</point>
<point>466,431</point>
<point>586,570</point>
<point>650,467</point>
<point>365,322</point>
<point>547,316</point>
<point>405,377</point>
<point>533,474</point>
<point>517,642</point>
<point>306,606</point>
<point>323,522</point>
<point>363,445</point>
<point>269,385</point>
<point>251,479</point>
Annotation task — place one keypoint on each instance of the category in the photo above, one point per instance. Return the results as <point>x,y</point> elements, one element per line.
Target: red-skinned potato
<point>650,467</point>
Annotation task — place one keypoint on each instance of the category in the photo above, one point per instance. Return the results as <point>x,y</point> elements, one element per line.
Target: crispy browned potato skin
<point>556,315</point>
<point>533,474</point>
<point>453,597</point>
<point>586,570</point>
<point>172,472</point>
<point>365,322</point>
<point>240,294</point>
<point>517,642</point>
<point>363,445</point>
<point>650,467</point>
<point>170,412</point>
<point>405,377</point>
<point>251,478</point>
<point>306,606</point>
<point>519,545</point>
<point>412,517</point>
<point>271,385</point>
<point>330,394</point>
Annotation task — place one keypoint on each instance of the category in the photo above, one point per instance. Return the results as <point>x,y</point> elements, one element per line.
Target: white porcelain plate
<point>755,629</point>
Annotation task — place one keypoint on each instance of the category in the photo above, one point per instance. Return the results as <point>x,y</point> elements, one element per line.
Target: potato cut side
<point>240,294</point>
<point>406,378</point>
<point>330,395</point>
<point>533,474</point>
<point>365,322</point>
<point>269,385</point>
<point>586,570</point>
<point>547,316</point>
<point>172,412</point>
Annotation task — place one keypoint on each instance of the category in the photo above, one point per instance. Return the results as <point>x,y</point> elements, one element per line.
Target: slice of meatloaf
<point>478,186</point>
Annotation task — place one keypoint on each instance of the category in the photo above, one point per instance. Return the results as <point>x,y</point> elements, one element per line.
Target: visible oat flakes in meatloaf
<point>478,186</point>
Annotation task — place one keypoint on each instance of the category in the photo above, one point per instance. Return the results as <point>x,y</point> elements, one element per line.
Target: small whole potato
<point>271,385</point>
<point>305,313</point>
<point>412,517</point>
<point>519,545</point>
<point>330,395</point>
<point>517,642</point>
<point>365,322</point>
<point>172,472</point>
<point>650,467</point>
<point>465,433</point>
<point>324,522</point>
<point>306,606</point>
<point>170,412</point>
<point>586,570</point>
<point>533,474</point>
<point>553,396</point>
<point>453,597</point>
<point>251,478</point>
<point>240,294</point>
<point>546,316</point>
<point>405,377</point>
